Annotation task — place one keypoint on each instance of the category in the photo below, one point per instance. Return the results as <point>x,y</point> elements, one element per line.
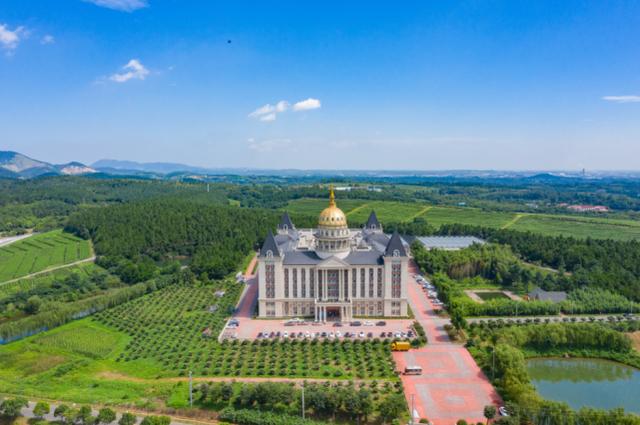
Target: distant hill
<point>14,165</point>
<point>109,165</point>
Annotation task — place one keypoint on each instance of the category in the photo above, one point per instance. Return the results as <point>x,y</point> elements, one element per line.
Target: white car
<point>361,335</point>
<point>285,334</point>
<point>503,411</point>
<point>338,334</point>
<point>331,335</point>
<point>307,334</point>
<point>367,323</point>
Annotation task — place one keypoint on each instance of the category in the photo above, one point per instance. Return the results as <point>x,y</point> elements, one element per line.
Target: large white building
<point>332,272</point>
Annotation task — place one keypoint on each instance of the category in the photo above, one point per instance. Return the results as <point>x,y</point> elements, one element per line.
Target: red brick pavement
<point>451,386</point>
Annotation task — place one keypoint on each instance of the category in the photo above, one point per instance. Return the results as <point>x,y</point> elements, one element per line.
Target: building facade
<point>332,273</point>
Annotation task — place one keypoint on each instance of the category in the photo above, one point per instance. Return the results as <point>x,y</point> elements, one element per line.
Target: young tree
<point>127,419</point>
<point>60,411</point>
<point>41,409</point>
<point>391,407</point>
<point>489,412</point>
<point>12,407</point>
<point>84,416</point>
<point>106,416</point>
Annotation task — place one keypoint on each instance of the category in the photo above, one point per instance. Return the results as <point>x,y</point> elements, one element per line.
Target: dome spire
<point>332,197</point>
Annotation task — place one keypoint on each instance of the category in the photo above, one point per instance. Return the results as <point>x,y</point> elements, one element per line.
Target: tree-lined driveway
<point>451,386</point>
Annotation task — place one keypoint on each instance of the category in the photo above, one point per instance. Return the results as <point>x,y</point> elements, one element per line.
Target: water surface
<point>587,382</point>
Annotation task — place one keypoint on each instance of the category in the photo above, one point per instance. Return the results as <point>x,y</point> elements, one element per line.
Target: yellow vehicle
<point>400,346</point>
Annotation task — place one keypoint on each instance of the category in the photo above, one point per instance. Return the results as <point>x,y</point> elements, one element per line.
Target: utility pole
<point>303,400</point>
<point>412,408</point>
<point>190,389</point>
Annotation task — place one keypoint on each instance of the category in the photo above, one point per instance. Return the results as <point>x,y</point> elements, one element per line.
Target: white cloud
<point>282,106</point>
<point>9,40</point>
<point>134,70</point>
<point>306,105</point>
<point>263,110</point>
<point>269,117</point>
<point>269,112</point>
<point>622,99</point>
<point>268,145</point>
<point>121,5</point>
<point>47,39</point>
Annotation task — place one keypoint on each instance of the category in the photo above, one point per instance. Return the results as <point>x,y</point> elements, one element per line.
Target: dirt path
<point>121,377</point>
<point>11,239</point>
<point>419,213</point>
<point>50,269</point>
<point>356,209</point>
<point>514,220</point>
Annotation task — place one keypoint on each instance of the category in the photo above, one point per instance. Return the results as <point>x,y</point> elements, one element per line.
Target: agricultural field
<point>166,340</point>
<point>41,252</point>
<point>580,227</point>
<point>46,279</point>
<point>139,351</point>
<point>357,212</point>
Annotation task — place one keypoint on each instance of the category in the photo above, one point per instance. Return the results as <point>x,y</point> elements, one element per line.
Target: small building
<point>207,332</point>
<point>447,243</point>
<point>539,294</point>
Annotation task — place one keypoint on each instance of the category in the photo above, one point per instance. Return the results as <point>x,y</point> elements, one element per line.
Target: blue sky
<point>357,85</point>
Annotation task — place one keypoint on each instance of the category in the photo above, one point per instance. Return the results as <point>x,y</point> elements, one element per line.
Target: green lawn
<point>437,216</point>
<point>40,252</point>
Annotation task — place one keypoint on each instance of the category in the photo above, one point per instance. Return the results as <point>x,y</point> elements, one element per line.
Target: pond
<point>595,383</point>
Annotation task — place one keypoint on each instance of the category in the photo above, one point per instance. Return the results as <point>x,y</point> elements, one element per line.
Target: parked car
<point>285,334</point>
<point>381,323</point>
<point>356,323</point>
<point>338,334</point>
<point>337,324</point>
<point>503,411</point>
<point>368,323</point>
<point>361,335</point>
<point>370,335</point>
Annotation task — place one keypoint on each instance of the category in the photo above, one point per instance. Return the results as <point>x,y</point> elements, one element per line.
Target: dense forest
<point>133,240</point>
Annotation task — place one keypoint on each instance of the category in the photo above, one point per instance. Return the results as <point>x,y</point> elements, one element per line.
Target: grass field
<point>488,296</point>
<point>40,252</point>
<point>357,212</point>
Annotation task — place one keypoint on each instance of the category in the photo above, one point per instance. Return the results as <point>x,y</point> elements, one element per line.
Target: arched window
<point>269,254</point>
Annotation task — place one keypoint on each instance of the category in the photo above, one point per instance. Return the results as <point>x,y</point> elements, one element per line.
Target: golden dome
<point>332,216</point>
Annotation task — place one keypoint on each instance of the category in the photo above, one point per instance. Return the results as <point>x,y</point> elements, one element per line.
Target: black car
<point>356,323</point>
<point>337,325</point>
<point>323,334</point>
<point>370,334</point>
<point>381,323</point>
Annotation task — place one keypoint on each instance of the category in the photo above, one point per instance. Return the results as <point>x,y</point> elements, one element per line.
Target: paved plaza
<point>451,386</point>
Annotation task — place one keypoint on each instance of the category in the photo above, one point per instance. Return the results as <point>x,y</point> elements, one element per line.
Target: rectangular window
<point>295,283</point>
<point>303,282</point>
<point>286,283</point>
<point>345,284</point>
<point>333,286</point>
<point>312,283</point>
<point>396,280</point>
<point>362,282</point>
<point>380,282</point>
<point>320,284</point>
<point>370,283</point>
<point>270,281</point>
<point>271,309</point>
<point>354,283</point>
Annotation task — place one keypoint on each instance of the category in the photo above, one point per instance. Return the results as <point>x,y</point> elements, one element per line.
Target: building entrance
<point>333,314</point>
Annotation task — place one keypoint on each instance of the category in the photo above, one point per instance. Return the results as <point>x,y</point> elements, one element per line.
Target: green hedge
<point>255,417</point>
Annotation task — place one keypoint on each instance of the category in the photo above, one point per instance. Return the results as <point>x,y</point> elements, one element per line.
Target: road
<point>50,269</point>
<point>11,239</point>
<point>452,386</point>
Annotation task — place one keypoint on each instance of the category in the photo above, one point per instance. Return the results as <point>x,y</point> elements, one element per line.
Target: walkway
<point>11,239</point>
<point>451,386</point>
